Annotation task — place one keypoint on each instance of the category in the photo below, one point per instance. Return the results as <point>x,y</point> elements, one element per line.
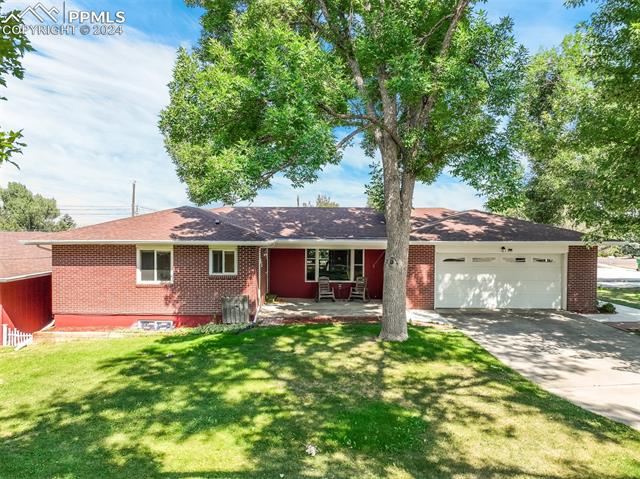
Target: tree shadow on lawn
<point>246,406</point>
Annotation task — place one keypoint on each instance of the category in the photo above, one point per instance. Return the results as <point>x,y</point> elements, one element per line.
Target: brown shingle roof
<point>260,224</point>
<point>17,260</point>
<point>325,223</point>
<point>474,225</point>
<point>186,223</point>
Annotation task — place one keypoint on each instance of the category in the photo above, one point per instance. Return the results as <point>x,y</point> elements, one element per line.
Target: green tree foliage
<point>578,123</point>
<point>323,201</point>
<point>375,188</point>
<point>13,46</point>
<point>21,210</point>
<point>427,83</point>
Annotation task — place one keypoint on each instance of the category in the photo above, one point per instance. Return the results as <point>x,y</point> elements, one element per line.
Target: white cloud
<point>456,196</point>
<point>89,111</point>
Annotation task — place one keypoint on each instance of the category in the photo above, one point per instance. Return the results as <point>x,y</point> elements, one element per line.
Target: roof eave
<point>158,242</point>
<point>19,277</point>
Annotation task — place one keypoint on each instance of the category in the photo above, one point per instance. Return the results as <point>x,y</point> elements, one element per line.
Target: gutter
<point>24,276</point>
<point>150,242</point>
<point>316,242</point>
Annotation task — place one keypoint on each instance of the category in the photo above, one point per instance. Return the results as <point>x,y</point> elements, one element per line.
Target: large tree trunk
<point>398,188</point>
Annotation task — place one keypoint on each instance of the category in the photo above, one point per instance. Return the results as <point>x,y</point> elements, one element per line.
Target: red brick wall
<point>582,279</point>
<point>101,279</point>
<point>421,277</point>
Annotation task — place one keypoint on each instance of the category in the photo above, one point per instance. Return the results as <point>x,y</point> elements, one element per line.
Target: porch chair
<point>324,289</point>
<point>359,291</point>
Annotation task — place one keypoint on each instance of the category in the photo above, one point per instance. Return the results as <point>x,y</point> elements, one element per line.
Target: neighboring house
<point>177,264</point>
<point>25,282</point>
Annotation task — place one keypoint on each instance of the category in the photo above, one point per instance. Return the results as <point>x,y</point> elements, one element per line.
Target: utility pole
<point>133,198</point>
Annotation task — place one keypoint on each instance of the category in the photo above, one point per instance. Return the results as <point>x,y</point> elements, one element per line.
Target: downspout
<point>258,299</point>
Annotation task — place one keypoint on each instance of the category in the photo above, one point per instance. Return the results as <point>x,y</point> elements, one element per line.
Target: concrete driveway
<point>590,364</point>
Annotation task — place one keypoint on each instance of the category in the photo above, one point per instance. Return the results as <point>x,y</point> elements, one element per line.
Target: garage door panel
<point>499,282</point>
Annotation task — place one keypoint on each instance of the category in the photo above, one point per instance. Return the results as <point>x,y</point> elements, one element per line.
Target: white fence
<point>15,337</point>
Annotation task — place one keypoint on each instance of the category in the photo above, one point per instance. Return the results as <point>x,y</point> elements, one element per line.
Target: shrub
<point>215,328</point>
<point>607,308</point>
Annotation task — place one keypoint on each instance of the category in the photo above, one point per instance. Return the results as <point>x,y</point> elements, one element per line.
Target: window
<point>515,260</point>
<point>155,266</point>
<point>453,260</point>
<point>311,265</point>
<point>358,263</point>
<point>223,261</point>
<point>483,260</point>
<point>543,260</point>
<point>336,264</point>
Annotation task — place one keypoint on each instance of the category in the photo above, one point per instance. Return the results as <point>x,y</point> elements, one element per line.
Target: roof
<point>184,224</point>
<point>475,225</point>
<point>321,223</point>
<point>19,261</point>
<point>268,225</point>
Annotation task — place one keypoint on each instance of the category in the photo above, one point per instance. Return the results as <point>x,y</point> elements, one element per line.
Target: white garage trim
<point>496,279</point>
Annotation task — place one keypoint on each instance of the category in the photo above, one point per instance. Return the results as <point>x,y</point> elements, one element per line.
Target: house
<point>177,264</point>
<point>25,283</point>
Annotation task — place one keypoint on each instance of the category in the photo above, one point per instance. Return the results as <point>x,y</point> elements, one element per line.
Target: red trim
<point>110,321</point>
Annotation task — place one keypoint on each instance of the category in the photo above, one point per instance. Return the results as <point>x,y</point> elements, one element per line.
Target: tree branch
<point>433,29</point>
<point>429,101</point>
<point>373,121</point>
<point>351,135</point>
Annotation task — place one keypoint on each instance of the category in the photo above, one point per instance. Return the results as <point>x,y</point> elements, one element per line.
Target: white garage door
<point>498,281</point>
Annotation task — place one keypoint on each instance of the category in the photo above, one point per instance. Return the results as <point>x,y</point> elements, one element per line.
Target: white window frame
<point>155,249</point>
<point>224,249</point>
<point>351,266</point>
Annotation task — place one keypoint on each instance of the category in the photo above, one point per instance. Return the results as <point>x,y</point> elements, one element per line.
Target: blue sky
<point>88,108</point>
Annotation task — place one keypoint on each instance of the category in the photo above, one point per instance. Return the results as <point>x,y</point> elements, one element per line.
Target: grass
<point>625,296</point>
<point>247,406</point>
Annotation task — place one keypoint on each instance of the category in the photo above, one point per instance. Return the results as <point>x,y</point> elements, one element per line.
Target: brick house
<point>177,264</point>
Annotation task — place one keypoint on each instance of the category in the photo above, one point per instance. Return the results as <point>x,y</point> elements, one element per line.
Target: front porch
<point>308,310</point>
<point>301,309</point>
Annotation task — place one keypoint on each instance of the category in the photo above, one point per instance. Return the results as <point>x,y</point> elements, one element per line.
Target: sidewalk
<point>616,277</point>
<point>624,314</point>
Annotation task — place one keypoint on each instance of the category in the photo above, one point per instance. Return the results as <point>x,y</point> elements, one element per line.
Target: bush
<point>607,308</point>
<point>215,328</point>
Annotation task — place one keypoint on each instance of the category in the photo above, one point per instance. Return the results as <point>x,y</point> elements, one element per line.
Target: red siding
<point>99,281</point>
<point>287,275</point>
<point>582,279</point>
<point>26,304</point>
<point>421,277</point>
<point>374,271</point>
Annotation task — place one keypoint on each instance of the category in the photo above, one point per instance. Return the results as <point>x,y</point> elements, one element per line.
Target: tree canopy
<point>323,201</point>
<point>271,80</point>
<point>21,210</point>
<point>577,123</point>
<point>13,46</point>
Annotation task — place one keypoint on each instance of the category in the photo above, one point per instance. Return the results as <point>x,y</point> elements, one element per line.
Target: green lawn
<point>625,296</point>
<point>246,406</point>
